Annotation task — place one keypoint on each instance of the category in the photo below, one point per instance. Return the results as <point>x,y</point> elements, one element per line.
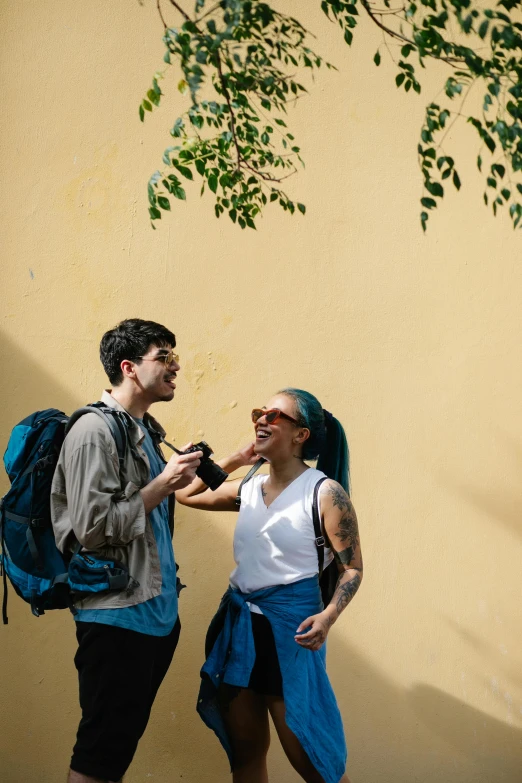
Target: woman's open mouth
<point>262,434</point>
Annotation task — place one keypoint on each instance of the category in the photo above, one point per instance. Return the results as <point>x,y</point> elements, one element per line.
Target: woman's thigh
<point>246,719</point>
<point>293,749</point>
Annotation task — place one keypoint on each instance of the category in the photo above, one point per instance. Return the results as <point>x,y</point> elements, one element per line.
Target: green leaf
<point>183,170</point>
<point>164,202</point>
<point>435,188</point>
<point>213,183</point>
<point>456,180</point>
<point>200,166</point>
<point>146,105</point>
<point>142,113</point>
<point>166,57</point>
<point>348,37</point>
<point>301,208</point>
<point>424,220</point>
<point>377,58</point>
<point>399,79</point>
<point>178,192</point>
<point>429,203</point>
<point>519,188</point>
<point>506,193</point>
<point>490,144</point>
<point>483,29</point>
<point>154,213</point>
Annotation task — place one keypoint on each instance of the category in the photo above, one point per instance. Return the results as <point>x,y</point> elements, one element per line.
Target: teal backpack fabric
<point>30,558</point>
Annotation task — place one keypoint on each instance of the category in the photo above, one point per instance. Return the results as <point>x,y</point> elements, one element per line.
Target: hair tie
<point>328,418</point>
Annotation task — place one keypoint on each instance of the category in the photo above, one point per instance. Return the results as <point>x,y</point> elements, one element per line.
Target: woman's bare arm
<point>342,533</point>
<point>198,495</point>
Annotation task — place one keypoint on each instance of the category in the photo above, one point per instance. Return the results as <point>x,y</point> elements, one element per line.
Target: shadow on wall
<point>395,735</point>
<point>505,506</point>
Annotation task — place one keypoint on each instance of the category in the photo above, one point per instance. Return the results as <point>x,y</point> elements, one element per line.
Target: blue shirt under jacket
<point>311,709</point>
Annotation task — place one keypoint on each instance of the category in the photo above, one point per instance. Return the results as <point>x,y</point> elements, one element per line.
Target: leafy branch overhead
<point>243,63</point>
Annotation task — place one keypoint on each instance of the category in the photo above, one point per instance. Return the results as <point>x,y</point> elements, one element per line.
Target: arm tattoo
<point>263,490</point>
<point>339,497</point>
<point>348,526</point>
<point>345,556</point>
<point>345,592</point>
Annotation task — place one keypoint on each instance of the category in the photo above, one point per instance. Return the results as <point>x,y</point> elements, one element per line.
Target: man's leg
<point>119,674</point>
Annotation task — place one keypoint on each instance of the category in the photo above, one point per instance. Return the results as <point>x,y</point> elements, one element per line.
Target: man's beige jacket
<point>90,504</point>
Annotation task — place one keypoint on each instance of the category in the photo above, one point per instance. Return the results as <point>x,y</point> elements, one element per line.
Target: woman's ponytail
<point>334,459</point>
<point>327,442</point>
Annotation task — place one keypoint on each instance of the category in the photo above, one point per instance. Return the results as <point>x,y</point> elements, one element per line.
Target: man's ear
<point>128,369</point>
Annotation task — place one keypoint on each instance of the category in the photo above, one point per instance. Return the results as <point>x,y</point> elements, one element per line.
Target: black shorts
<point>119,674</point>
<point>266,673</point>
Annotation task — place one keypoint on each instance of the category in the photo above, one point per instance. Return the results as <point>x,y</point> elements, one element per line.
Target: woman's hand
<point>315,637</point>
<point>247,455</point>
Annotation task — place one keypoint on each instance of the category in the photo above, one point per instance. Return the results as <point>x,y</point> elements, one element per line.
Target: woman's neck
<point>285,471</point>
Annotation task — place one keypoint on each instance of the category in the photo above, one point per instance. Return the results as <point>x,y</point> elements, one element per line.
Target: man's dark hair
<point>131,339</point>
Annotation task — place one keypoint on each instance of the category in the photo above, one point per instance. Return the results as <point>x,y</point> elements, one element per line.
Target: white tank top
<point>276,545</point>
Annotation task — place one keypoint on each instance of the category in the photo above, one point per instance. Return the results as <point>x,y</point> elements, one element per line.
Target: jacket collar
<point>136,432</point>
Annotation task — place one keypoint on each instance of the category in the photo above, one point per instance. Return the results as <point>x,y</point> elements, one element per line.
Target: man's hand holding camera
<point>179,472</point>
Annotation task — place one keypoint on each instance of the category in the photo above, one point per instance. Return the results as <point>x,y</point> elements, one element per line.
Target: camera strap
<point>173,448</point>
<point>248,476</point>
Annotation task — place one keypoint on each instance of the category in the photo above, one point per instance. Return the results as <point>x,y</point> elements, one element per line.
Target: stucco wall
<point>412,341</point>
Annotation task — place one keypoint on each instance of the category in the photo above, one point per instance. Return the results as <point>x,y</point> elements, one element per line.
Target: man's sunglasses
<point>271,415</point>
<point>167,358</point>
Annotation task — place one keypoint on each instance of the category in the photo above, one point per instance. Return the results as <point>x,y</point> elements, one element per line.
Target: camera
<point>208,471</point>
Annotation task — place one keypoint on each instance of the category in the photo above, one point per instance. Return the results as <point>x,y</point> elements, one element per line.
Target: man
<point>127,638</point>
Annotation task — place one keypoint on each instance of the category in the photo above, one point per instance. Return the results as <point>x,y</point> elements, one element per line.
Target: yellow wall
<point>412,341</point>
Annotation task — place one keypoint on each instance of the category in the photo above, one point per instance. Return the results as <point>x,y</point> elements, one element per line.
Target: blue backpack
<point>30,559</point>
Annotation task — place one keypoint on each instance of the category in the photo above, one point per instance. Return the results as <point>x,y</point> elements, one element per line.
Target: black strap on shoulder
<point>5,619</point>
<point>118,424</point>
<point>320,540</point>
<point>248,476</point>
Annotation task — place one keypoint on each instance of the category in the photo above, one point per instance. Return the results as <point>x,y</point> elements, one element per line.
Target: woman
<point>265,647</point>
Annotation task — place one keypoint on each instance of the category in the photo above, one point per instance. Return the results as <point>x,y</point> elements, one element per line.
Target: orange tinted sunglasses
<point>271,415</point>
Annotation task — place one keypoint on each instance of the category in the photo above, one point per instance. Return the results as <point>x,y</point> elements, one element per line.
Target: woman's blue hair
<point>327,442</point>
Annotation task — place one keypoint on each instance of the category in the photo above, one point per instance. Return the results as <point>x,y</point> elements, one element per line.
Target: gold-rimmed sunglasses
<point>167,358</point>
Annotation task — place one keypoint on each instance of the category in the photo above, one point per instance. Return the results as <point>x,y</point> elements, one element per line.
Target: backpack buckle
<point>320,541</point>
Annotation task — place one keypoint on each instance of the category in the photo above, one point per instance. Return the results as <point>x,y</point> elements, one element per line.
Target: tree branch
<point>230,109</point>
<point>400,37</point>
<point>158,4</point>
<point>180,9</point>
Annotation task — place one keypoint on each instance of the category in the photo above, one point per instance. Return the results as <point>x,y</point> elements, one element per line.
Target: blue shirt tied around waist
<point>157,616</point>
<point>311,709</point>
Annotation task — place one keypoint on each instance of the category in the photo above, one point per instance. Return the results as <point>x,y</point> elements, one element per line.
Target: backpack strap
<point>320,540</point>
<point>248,476</point>
<point>118,422</point>
<point>5,619</point>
